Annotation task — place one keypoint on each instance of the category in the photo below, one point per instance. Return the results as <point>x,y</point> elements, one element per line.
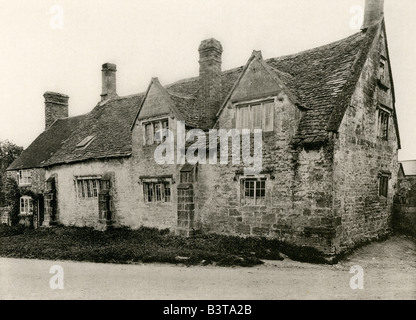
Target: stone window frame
<point>85,189</point>
<point>149,139</point>
<point>162,183</point>
<point>24,177</point>
<point>254,103</point>
<point>27,206</point>
<point>257,178</point>
<point>383,122</point>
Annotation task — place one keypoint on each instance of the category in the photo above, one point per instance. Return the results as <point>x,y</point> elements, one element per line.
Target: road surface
<point>389,272</point>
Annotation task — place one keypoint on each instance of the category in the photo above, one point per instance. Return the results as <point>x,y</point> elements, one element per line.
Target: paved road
<point>389,273</point>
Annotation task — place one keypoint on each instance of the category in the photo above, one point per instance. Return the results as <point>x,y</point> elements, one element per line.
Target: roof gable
<point>257,80</point>
<point>156,102</point>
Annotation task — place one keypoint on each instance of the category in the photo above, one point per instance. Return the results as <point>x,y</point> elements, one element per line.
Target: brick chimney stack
<point>374,11</point>
<point>56,107</point>
<point>210,52</point>
<point>109,89</point>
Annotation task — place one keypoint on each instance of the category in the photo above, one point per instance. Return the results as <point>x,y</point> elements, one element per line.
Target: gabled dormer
<point>157,111</point>
<point>261,99</point>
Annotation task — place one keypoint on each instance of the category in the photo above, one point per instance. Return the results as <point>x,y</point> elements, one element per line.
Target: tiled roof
<point>319,78</point>
<point>46,144</point>
<point>109,123</point>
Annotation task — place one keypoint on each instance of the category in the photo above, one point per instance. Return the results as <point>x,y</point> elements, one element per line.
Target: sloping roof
<point>321,78</point>
<point>409,167</point>
<point>110,124</point>
<point>46,144</point>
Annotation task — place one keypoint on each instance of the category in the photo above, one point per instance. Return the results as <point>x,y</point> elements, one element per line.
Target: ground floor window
<point>156,191</point>
<point>26,205</point>
<point>383,186</point>
<point>88,188</point>
<point>253,191</point>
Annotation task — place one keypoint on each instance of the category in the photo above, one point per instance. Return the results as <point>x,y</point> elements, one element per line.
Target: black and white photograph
<point>207,155</point>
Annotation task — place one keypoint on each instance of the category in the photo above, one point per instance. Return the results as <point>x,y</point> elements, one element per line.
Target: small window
<point>253,192</point>
<point>383,124</point>
<point>85,142</point>
<point>25,177</point>
<point>88,188</point>
<point>26,205</point>
<point>256,116</point>
<point>152,132</point>
<point>383,185</point>
<point>382,71</point>
<point>156,192</point>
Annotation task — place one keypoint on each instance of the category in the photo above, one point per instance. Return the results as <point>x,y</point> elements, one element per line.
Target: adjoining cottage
<point>330,149</point>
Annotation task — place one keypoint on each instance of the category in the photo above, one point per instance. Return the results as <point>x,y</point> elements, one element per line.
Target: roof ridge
<point>325,46</point>
<point>176,94</point>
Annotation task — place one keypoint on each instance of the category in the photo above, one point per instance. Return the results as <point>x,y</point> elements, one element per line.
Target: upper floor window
<point>382,70</point>
<point>26,205</point>
<point>258,115</point>
<point>25,177</point>
<point>253,191</point>
<point>151,131</point>
<point>383,124</point>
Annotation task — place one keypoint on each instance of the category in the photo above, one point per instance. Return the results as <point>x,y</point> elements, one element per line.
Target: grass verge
<point>134,246</point>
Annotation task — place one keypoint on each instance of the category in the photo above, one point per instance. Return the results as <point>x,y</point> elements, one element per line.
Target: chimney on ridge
<point>109,89</point>
<point>210,52</point>
<point>56,107</point>
<point>373,12</point>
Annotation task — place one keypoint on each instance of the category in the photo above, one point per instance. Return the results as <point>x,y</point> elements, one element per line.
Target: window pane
<point>95,188</point>
<point>167,192</point>
<point>158,191</point>
<point>149,133</point>
<point>256,116</point>
<point>157,126</point>
<point>243,118</point>
<point>268,109</point>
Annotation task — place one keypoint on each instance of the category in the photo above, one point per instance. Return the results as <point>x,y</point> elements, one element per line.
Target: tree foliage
<point>8,153</point>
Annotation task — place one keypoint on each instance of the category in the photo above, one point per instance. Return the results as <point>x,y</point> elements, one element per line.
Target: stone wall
<point>158,214</point>
<point>298,188</point>
<point>73,210</point>
<point>360,155</point>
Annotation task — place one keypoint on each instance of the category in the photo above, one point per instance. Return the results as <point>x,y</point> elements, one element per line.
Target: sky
<point>60,45</point>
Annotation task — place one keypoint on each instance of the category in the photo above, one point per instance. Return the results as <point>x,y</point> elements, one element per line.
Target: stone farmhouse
<point>330,149</point>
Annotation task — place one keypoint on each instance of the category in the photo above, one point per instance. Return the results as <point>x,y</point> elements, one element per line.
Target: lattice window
<point>88,188</point>
<point>256,116</point>
<point>25,177</point>
<point>253,192</point>
<point>156,191</point>
<point>26,205</point>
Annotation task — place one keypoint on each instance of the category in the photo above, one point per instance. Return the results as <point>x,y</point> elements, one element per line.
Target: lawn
<point>142,246</point>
